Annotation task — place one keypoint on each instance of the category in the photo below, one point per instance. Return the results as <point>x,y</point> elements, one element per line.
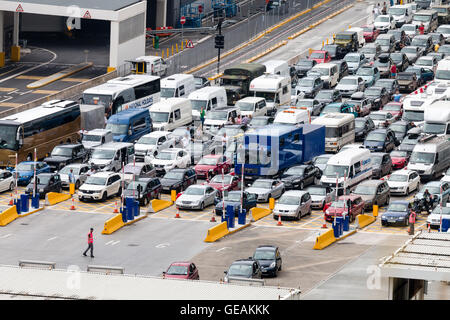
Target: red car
<point>320,56</point>
<point>340,206</point>
<point>212,164</point>
<point>399,158</point>
<point>182,270</point>
<point>394,108</point>
<point>230,182</point>
<point>370,33</point>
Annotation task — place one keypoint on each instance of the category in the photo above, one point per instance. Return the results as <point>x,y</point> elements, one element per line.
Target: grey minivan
<point>373,192</point>
<point>381,164</point>
<point>386,42</point>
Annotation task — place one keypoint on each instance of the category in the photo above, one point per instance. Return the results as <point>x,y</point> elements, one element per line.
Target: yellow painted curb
<point>324,240</point>
<point>217,232</point>
<point>259,213</point>
<point>31,212</point>
<point>52,198</point>
<point>363,220</point>
<point>8,216</point>
<point>113,224</point>
<point>157,205</point>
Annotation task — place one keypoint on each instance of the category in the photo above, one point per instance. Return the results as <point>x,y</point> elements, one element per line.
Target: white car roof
<point>402,172</point>
<point>103,174</point>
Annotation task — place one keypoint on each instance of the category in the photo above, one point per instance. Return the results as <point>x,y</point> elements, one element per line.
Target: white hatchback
<point>100,186</point>
<point>6,181</point>
<point>403,182</point>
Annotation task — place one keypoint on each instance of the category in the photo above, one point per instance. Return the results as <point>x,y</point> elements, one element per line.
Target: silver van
<point>386,42</point>
<point>110,156</point>
<point>429,18</point>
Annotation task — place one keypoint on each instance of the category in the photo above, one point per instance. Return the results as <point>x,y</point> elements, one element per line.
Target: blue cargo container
<point>269,151</point>
<point>130,124</point>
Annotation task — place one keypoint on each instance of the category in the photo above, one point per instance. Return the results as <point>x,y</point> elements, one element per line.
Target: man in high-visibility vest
<point>412,220</point>
<point>90,243</point>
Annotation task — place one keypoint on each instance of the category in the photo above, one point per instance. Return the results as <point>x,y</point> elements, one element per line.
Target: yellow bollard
<point>176,46</point>
<point>167,52</point>
<point>310,51</point>
<point>271,203</point>
<point>162,54</point>
<point>349,27</point>
<point>375,210</point>
<point>327,40</point>
<point>172,49</point>
<point>153,40</point>
<point>173,195</point>
<point>72,189</point>
<point>323,43</point>
<point>182,47</point>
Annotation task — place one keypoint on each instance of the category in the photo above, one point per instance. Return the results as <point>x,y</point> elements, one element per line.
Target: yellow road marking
<point>29,77</point>
<point>45,91</point>
<point>10,104</point>
<point>7,89</point>
<point>75,80</point>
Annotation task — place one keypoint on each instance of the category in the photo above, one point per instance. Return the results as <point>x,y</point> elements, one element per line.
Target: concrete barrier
<point>8,216</point>
<point>259,213</point>
<point>158,205</point>
<point>217,232</point>
<point>363,220</point>
<point>324,240</point>
<point>113,224</point>
<point>52,198</point>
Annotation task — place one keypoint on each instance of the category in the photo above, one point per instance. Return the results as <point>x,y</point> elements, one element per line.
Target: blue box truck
<point>130,124</point>
<point>267,152</point>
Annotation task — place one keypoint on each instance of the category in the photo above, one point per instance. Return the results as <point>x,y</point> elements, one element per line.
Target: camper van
<point>346,169</point>
<point>443,71</point>
<point>430,157</point>
<point>209,98</point>
<point>277,67</point>
<point>437,119</point>
<point>414,107</point>
<point>110,156</point>
<point>252,106</point>
<point>292,116</point>
<point>275,89</point>
<point>177,85</point>
<point>171,113</point>
<point>151,65</point>
<point>340,130</point>
<point>360,35</point>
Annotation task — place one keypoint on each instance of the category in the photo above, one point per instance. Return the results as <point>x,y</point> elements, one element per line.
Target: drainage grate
<point>24,224</point>
<point>133,245</point>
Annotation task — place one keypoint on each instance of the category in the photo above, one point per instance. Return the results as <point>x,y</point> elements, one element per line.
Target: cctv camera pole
<point>223,194</point>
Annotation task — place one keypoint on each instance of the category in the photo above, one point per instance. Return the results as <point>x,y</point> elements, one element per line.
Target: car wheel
<point>104,196</point>
<point>407,192</point>
<point>11,186</point>
<point>202,206</point>
<point>309,211</point>
<point>77,184</point>
<point>388,199</point>
<point>119,192</point>
<point>145,201</point>
<point>406,221</point>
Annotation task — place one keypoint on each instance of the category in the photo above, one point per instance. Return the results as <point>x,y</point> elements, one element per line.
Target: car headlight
<point>273,264</point>
<point>41,190</point>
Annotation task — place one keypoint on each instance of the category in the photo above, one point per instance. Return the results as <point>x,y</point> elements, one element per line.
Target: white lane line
<point>162,245</point>
<point>53,238</point>
<point>32,68</point>
<point>115,242</point>
<point>109,242</point>
<point>224,248</point>
<point>6,236</point>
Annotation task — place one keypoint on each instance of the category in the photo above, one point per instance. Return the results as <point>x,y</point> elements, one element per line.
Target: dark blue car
<point>233,198</point>
<point>397,213</point>
<point>381,140</point>
<point>423,74</point>
<point>25,171</point>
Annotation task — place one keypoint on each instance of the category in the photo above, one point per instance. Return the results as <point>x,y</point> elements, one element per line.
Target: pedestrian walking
<point>393,71</point>
<point>71,177</point>
<point>202,116</point>
<point>384,9</point>
<point>397,96</point>
<point>224,142</point>
<point>412,220</point>
<point>90,243</point>
<point>376,12</point>
<point>421,28</point>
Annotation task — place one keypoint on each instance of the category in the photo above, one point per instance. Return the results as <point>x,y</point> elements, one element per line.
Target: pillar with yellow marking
<point>271,203</point>
<point>375,210</point>
<point>173,195</point>
<point>72,189</point>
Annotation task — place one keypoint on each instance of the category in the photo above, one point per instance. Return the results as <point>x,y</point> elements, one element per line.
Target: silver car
<point>196,197</point>
<point>139,169</point>
<point>80,173</point>
<point>320,195</point>
<point>293,204</point>
<point>264,189</point>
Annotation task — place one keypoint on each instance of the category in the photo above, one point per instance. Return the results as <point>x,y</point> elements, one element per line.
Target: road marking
<point>10,104</point>
<point>53,238</point>
<point>7,89</point>
<point>162,245</point>
<point>45,91</point>
<point>6,236</point>
<point>224,248</point>
<point>25,77</point>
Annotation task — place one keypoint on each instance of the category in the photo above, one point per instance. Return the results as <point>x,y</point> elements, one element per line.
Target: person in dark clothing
<point>90,243</point>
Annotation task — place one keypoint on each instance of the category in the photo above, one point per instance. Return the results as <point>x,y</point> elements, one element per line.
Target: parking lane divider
<point>324,240</point>
<point>53,198</point>
<point>8,216</point>
<point>113,224</point>
<point>259,213</point>
<point>363,220</point>
<point>217,232</point>
<point>157,205</point>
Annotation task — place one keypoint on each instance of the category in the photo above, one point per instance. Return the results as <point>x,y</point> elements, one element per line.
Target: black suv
<point>301,176</point>
<point>178,180</point>
<point>46,182</point>
<point>65,154</point>
<point>144,190</point>
<point>362,127</point>
<point>269,259</point>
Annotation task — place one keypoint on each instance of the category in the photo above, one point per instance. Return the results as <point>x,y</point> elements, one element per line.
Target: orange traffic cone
<point>115,208</point>
<point>11,201</point>
<point>279,221</point>
<point>324,226</point>
<point>178,214</point>
<point>72,207</point>
<point>213,218</point>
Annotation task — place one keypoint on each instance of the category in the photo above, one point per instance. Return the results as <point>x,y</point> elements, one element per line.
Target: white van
<point>219,117</point>
<point>348,168</point>
<point>443,71</point>
<point>171,113</point>
<point>340,130</point>
<point>329,73</point>
<point>209,98</point>
<point>279,67</point>
<point>414,107</point>
<point>437,119</point>
<point>96,137</point>
<point>110,156</point>
<point>275,89</point>
<point>293,116</point>
<point>153,65</point>
<point>430,157</point>
<point>177,85</point>
<point>360,35</point>
<point>252,106</point>
<point>401,13</point>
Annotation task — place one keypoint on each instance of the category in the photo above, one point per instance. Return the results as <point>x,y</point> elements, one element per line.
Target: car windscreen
<point>177,270</point>
<point>159,116</point>
<point>398,178</point>
<point>173,175</point>
<point>317,191</point>
<point>295,171</point>
<point>289,200</point>
<point>264,254</point>
<point>194,191</point>
<point>335,170</point>
<point>376,136</point>
<point>397,207</point>
<point>62,152</point>
<point>262,184</point>
<point>399,154</point>
<point>422,157</point>
<point>365,190</point>
<point>218,179</point>
<point>99,181</point>
<point>349,81</point>
<point>103,154</point>
<point>240,270</point>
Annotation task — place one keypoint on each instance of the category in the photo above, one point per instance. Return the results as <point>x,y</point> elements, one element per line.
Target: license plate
<point>392,220</point>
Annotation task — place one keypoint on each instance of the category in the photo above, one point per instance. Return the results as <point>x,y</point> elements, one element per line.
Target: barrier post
<point>35,201</point>
<point>375,210</point>
<point>241,216</point>
<point>25,202</point>
<point>230,216</point>
<point>72,189</point>
<point>271,203</point>
<point>347,222</point>
<point>310,51</point>
<point>129,204</point>
<point>162,54</point>
<point>172,49</point>
<point>123,211</point>
<point>173,195</point>
<point>182,47</point>
<point>327,40</point>
<point>176,47</point>
<point>167,52</point>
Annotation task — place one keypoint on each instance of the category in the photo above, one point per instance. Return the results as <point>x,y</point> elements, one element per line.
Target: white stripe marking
<point>53,238</point>
<point>6,236</point>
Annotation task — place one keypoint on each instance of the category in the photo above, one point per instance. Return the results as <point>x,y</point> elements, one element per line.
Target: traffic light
<point>219,41</point>
<point>200,9</point>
